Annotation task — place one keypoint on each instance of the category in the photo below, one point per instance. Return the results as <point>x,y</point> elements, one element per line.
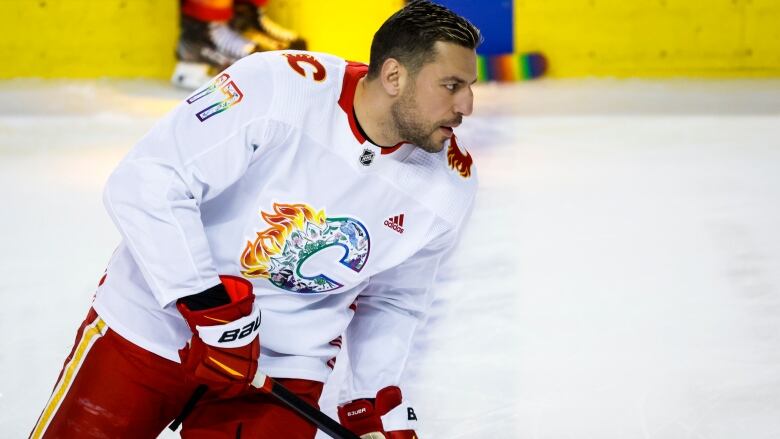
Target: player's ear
<point>392,76</point>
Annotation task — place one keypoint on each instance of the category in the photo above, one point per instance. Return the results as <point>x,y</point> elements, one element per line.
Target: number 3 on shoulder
<point>298,60</point>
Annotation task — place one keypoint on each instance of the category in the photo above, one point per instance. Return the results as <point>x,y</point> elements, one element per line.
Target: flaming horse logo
<point>295,233</point>
<point>459,161</point>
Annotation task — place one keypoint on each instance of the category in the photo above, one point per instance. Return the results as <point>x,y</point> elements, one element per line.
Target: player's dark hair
<point>410,34</point>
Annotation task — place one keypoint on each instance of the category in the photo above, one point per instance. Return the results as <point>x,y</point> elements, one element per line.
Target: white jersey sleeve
<point>388,313</point>
<point>192,155</point>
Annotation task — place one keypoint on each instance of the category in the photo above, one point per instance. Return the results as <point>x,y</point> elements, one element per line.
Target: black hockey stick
<point>187,409</point>
<point>303,408</point>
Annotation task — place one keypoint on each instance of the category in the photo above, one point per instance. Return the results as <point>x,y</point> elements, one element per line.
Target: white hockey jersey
<point>264,174</point>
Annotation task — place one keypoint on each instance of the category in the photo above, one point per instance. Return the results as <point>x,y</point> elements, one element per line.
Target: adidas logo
<point>396,223</point>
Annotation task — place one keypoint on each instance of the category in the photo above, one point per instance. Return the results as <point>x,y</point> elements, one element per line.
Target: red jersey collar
<point>352,74</point>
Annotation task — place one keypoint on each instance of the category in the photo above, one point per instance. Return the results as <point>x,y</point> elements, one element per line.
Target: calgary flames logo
<point>286,219</point>
<point>295,233</point>
<point>296,59</point>
<point>458,160</point>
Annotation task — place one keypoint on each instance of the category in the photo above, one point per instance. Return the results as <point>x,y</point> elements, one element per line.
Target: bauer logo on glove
<point>232,334</point>
<point>246,331</point>
<point>225,343</point>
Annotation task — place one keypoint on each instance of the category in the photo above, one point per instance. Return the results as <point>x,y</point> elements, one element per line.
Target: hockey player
<point>251,20</point>
<point>295,199</point>
<point>216,33</point>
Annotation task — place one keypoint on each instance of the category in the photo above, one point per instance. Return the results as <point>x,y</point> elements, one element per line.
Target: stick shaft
<point>310,413</point>
<point>303,408</point>
<point>185,411</point>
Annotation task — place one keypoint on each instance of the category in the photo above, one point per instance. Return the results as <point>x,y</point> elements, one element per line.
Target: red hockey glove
<point>365,416</point>
<point>225,344</point>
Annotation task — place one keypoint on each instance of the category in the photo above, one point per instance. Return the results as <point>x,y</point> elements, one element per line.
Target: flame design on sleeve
<point>459,161</point>
<point>270,242</point>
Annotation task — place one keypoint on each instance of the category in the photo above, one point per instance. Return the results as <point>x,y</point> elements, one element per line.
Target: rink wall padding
<point>652,38</point>
<point>341,27</point>
<point>579,38</point>
<point>88,38</point>
<point>493,18</point>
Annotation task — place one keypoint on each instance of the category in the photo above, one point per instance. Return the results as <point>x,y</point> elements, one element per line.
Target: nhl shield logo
<point>367,157</point>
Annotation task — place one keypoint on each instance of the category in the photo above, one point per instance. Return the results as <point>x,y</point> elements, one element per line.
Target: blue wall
<point>495,18</point>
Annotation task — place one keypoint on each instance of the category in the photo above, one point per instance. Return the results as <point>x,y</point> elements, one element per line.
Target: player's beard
<point>410,126</point>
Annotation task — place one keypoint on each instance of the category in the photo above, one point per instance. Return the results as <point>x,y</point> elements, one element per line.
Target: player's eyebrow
<point>457,79</point>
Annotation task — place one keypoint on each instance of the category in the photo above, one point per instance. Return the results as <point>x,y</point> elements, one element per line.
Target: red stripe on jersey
<point>401,223</point>
<point>391,149</point>
<point>352,74</point>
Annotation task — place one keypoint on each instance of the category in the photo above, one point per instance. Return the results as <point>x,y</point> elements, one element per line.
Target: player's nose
<point>464,102</point>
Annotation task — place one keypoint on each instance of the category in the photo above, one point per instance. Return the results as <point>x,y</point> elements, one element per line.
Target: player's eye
<point>451,87</point>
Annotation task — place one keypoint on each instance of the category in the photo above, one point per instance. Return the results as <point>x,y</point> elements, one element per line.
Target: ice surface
<point>620,277</point>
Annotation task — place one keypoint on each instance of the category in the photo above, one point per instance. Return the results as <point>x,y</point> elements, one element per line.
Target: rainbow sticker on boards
<point>511,66</point>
